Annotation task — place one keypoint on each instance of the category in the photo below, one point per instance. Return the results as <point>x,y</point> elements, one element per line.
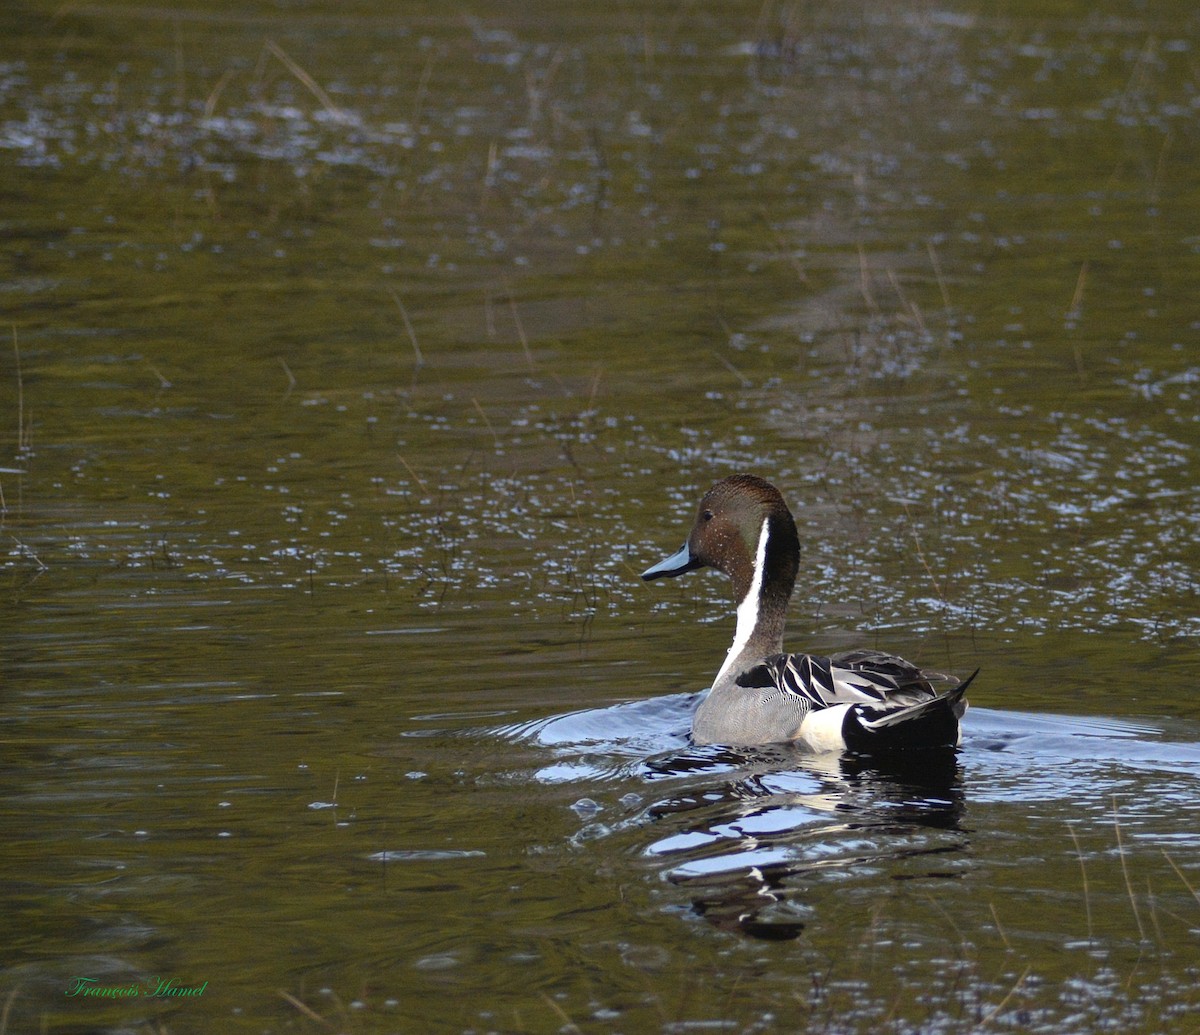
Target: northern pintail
<point>861,700</point>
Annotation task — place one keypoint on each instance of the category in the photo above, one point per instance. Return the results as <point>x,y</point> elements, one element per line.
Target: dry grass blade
<point>1179,874</point>
<point>422,88</point>
<point>746,382</point>
<point>1087,898</point>
<point>512,302</point>
<point>864,280</point>
<point>29,552</point>
<point>495,437</point>
<point>937,273</point>
<point>1000,927</point>
<point>1004,1002</point>
<point>489,172</point>
<point>591,403</point>
<point>304,1009</point>
<point>412,334</point>
<point>933,579</point>
<point>568,1024</point>
<point>416,477</point>
<point>288,371</point>
<point>1080,284</point>
<point>914,310</point>
<point>21,443</point>
<point>309,82</point>
<point>214,95</point>
<point>12,996</point>
<point>785,250</point>
<point>1137,916</point>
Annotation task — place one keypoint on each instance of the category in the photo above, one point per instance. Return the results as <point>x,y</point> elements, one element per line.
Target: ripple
<point>636,728</point>
<point>752,835</point>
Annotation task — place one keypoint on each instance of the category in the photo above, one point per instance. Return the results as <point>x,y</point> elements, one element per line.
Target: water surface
<point>360,356</point>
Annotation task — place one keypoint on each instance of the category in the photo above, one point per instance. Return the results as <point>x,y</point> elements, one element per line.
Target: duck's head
<point>744,529</point>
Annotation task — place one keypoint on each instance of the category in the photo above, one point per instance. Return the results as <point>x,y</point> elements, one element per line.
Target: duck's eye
<point>707,515</point>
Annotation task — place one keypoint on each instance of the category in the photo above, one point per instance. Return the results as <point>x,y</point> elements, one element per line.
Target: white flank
<point>747,611</point>
<point>822,730</point>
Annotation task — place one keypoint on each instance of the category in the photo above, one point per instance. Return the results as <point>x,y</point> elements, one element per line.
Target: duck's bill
<point>676,564</point>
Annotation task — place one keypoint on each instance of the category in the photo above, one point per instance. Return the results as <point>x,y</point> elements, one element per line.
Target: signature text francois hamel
<point>156,988</point>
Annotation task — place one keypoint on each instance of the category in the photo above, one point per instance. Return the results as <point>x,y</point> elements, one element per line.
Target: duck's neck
<point>762,608</point>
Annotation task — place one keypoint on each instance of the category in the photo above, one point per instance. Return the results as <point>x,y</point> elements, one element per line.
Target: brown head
<point>730,521</point>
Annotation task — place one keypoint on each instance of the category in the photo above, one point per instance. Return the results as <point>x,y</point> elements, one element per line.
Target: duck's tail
<point>927,724</point>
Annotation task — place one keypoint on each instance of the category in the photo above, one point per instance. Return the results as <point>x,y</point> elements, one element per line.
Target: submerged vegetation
<point>361,358</point>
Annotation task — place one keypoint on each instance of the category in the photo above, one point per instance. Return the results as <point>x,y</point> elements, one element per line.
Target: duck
<point>862,701</point>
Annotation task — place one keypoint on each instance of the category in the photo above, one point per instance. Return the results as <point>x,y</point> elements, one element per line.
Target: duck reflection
<point>781,820</point>
<point>752,833</point>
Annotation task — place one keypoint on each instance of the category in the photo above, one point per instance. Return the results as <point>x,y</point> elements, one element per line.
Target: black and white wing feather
<point>856,677</point>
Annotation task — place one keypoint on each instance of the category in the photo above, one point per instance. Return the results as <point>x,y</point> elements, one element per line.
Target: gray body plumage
<point>756,704</point>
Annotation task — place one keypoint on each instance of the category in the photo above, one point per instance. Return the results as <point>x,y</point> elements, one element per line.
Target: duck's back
<point>769,702</point>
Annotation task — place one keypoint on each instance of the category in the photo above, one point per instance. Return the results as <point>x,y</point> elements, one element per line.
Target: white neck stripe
<point>747,611</point>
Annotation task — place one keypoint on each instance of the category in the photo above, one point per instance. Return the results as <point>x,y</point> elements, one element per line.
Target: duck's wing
<point>855,677</point>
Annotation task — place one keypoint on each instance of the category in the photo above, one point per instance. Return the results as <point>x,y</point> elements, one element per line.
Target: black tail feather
<point>928,724</point>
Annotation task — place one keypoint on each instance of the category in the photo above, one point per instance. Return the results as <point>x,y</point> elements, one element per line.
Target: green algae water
<point>357,358</point>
